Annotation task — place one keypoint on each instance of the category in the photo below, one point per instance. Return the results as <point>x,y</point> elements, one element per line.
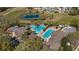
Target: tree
<point>75,23</point>
<point>3,9</point>
<point>30,45</point>
<point>4,42</point>
<point>7,22</point>
<point>73,38</point>
<point>74,11</point>
<point>64,44</point>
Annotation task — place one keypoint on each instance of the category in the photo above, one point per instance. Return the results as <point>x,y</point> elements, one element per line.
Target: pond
<point>30,16</point>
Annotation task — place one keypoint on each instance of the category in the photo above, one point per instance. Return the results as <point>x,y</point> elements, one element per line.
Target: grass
<point>15,15</point>
<point>64,18</point>
<point>60,18</point>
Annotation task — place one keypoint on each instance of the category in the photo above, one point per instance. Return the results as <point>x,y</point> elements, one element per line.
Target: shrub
<point>64,44</point>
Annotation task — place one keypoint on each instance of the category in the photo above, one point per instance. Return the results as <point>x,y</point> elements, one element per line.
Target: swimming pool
<point>33,27</point>
<point>31,16</point>
<point>47,34</point>
<point>38,29</point>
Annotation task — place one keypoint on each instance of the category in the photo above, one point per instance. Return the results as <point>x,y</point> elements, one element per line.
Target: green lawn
<point>15,14</point>
<point>60,18</point>
<point>64,18</point>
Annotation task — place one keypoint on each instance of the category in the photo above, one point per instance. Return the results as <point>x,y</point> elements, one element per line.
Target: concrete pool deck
<point>55,40</point>
<point>42,33</point>
<point>51,27</point>
<point>54,28</point>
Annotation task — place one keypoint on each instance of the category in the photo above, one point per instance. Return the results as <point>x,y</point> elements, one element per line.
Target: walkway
<point>77,48</point>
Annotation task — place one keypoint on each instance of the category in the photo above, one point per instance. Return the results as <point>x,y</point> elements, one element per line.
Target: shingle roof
<point>18,30</point>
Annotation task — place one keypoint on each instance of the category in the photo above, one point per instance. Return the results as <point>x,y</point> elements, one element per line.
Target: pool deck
<point>42,32</point>
<point>52,27</point>
<point>55,40</point>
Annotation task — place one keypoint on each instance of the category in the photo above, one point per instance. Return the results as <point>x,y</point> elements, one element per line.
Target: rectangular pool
<point>47,34</point>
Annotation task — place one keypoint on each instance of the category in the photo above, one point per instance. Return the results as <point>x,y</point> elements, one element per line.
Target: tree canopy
<point>4,42</point>
<point>30,45</point>
<point>73,38</point>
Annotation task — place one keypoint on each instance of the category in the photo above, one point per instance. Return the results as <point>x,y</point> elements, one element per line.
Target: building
<point>16,31</point>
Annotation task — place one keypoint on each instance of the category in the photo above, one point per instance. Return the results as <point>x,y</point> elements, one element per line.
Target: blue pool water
<point>31,16</point>
<point>37,29</point>
<point>48,33</point>
<point>33,27</point>
<point>40,28</point>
